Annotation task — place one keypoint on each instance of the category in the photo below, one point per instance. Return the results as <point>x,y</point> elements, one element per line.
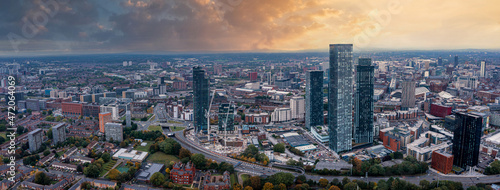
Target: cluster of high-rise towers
<point>341,99</point>
<point>340,96</point>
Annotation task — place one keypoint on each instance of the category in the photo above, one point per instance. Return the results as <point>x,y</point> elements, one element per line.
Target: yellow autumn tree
<point>333,187</point>
<point>114,174</point>
<point>268,186</point>
<point>323,182</point>
<point>282,186</point>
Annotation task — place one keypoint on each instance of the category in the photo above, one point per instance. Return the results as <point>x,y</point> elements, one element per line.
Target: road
<point>254,169</point>
<point>161,118</point>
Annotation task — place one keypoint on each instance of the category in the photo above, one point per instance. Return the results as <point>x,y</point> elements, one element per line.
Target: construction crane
<point>207,114</point>
<point>225,126</point>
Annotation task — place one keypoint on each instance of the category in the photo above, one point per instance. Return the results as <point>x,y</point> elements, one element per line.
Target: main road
<point>259,170</point>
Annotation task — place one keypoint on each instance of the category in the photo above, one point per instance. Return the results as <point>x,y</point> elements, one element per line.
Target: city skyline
<point>284,25</point>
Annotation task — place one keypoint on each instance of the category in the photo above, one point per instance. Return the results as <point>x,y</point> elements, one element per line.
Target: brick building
<point>183,173</point>
<point>262,118</point>
<point>72,109</point>
<point>440,111</point>
<point>179,85</point>
<point>442,162</point>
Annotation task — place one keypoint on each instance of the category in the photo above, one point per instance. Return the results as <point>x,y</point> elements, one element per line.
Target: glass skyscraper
<point>467,139</point>
<point>314,99</point>
<point>201,98</point>
<point>363,121</point>
<point>226,112</point>
<point>340,97</point>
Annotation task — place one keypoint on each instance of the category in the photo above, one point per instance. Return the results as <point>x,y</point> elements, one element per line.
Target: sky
<point>50,26</point>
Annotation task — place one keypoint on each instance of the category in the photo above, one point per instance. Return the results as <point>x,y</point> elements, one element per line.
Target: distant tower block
<point>128,119</point>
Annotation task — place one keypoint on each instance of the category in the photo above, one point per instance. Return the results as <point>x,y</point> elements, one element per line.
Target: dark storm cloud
<point>159,25</point>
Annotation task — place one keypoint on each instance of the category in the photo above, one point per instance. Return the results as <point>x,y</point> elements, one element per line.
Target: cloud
<point>250,25</point>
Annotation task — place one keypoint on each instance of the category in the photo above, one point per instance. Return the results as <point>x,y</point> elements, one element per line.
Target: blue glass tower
<point>340,97</point>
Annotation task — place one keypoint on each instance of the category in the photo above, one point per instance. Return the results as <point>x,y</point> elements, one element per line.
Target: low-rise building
<point>148,171</point>
<point>442,161</point>
<point>422,149</point>
<point>183,173</point>
<point>64,166</point>
<point>217,182</point>
<point>133,155</point>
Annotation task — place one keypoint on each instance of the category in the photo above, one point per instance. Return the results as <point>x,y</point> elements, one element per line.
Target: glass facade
<point>226,112</point>
<point>340,97</point>
<point>314,98</point>
<point>466,139</point>
<point>363,121</point>
<point>201,98</point>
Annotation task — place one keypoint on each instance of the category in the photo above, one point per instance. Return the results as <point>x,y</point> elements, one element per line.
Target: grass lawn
<point>162,158</point>
<point>4,135</point>
<point>174,129</point>
<point>107,166</point>
<point>155,128</point>
<point>144,148</point>
<point>244,177</point>
<point>170,121</point>
<point>234,179</point>
<point>60,153</point>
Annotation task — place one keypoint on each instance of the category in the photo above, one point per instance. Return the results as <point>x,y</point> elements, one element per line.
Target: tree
<point>268,186</point>
<point>333,187</point>
<point>280,147</point>
<point>42,178</point>
<point>123,144</point>
<point>323,182</point>
<point>167,171</point>
<point>92,171</point>
<point>250,151</point>
<point>248,188</point>
<point>106,157</point>
<point>493,169</point>
<point>281,177</point>
<point>157,179</point>
<point>79,168</point>
<point>281,186</point>
<point>114,174</point>
<point>351,186</point>
<point>237,186</point>
<point>255,182</point>
<point>199,160</point>
<point>20,130</point>
<point>424,184</point>
<point>345,181</point>
<point>50,134</point>
<point>300,179</point>
<point>46,152</point>
<point>184,153</point>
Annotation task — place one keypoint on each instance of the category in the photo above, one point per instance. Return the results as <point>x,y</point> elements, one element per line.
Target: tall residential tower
<point>408,94</point>
<point>201,98</point>
<point>467,139</point>
<point>340,97</point>
<point>314,99</point>
<point>363,121</point>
